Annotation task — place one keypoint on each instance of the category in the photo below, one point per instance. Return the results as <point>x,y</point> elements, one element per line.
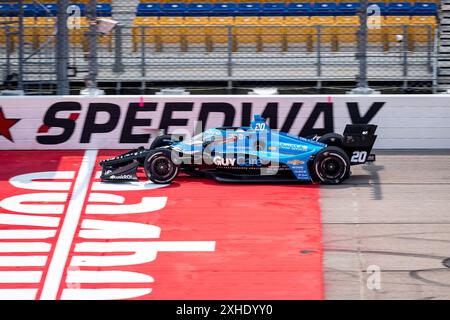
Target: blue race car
<point>248,154</point>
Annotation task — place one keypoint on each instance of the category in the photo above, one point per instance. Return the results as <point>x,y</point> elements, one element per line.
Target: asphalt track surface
<point>198,239</point>
<point>393,216</point>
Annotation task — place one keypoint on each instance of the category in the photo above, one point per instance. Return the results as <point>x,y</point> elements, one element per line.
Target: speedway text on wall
<point>121,122</point>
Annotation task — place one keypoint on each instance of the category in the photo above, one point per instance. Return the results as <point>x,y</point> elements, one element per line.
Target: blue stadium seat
<point>299,9</point>
<point>223,9</point>
<point>104,10</point>
<point>47,10</point>
<point>199,9</point>
<point>249,9</point>
<point>148,9</point>
<point>29,10</point>
<point>273,9</point>
<point>399,9</point>
<point>324,9</point>
<point>424,9</point>
<point>173,9</point>
<point>5,10</point>
<point>382,7</point>
<point>348,8</point>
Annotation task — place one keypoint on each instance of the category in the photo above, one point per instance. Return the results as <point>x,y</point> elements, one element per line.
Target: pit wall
<point>122,122</point>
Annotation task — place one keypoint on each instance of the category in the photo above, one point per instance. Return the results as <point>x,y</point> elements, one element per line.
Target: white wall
<point>404,121</point>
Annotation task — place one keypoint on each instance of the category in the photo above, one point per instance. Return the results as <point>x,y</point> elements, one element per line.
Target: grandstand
<point>304,44</point>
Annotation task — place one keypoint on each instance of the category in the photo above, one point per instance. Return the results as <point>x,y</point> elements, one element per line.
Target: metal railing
<point>230,53</point>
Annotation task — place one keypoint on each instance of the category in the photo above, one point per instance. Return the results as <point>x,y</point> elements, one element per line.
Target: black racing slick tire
<point>164,140</point>
<point>332,139</point>
<point>331,165</point>
<point>159,166</point>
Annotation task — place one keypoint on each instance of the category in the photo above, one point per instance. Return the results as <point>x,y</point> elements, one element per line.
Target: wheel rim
<point>162,167</point>
<point>332,168</point>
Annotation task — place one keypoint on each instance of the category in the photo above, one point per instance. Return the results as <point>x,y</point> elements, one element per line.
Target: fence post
<point>143,51</point>
<point>405,50</point>
<point>91,15</point>
<point>21,47</point>
<point>429,48</point>
<point>8,50</point>
<point>230,57</point>
<point>435,62</point>
<point>62,49</point>
<point>319,61</point>
<point>362,46</point>
<point>118,65</point>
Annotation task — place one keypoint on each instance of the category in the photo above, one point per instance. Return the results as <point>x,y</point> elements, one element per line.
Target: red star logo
<point>5,125</point>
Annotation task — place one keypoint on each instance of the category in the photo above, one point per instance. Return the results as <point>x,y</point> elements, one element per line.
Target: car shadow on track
<point>370,180</point>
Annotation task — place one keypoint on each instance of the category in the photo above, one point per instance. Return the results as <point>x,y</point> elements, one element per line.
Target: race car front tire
<point>159,166</point>
<point>331,165</point>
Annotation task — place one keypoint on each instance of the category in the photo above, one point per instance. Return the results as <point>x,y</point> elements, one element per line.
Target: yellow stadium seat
<point>3,28</point>
<point>144,30</point>
<point>272,29</point>
<point>326,24</point>
<point>346,29</point>
<point>375,32</point>
<point>246,30</point>
<point>298,29</point>
<point>395,25</point>
<point>195,30</point>
<point>171,29</point>
<point>76,35</point>
<point>219,29</point>
<point>411,1</point>
<point>29,34</point>
<point>46,30</point>
<point>422,28</point>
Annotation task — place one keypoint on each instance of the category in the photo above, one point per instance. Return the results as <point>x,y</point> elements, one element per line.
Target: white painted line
<point>104,294</point>
<point>23,261</point>
<point>20,276</point>
<point>11,247</point>
<point>107,277</point>
<point>18,294</point>
<point>28,220</point>
<point>69,227</point>
<point>26,181</point>
<point>27,234</point>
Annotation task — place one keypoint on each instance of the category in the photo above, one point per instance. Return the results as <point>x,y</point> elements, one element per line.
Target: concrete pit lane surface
<point>386,231</point>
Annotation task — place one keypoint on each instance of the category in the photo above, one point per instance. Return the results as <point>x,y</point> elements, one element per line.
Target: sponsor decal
<point>121,177</point>
<point>296,162</point>
<point>74,239</point>
<point>293,146</point>
<point>219,161</point>
<point>239,161</point>
<point>66,235</point>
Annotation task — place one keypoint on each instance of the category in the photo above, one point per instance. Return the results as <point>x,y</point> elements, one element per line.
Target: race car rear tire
<point>164,140</point>
<point>331,165</point>
<point>159,166</point>
<point>332,139</point>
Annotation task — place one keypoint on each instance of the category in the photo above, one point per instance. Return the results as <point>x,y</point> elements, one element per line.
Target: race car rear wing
<point>358,142</point>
